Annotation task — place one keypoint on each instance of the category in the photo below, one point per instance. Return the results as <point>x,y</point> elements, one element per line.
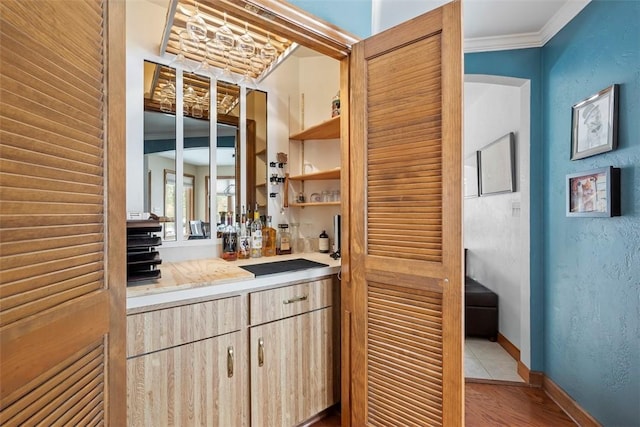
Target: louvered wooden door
<point>403,307</point>
<point>62,233</point>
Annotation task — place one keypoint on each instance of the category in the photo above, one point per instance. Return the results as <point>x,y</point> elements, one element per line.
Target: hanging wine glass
<point>268,52</point>
<point>246,45</point>
<point>196,109</point>
<point>189,99</point>
<point>196,27</point>
<point>186,45</point>
<point>226,73</point>
<point>224,36</point>
<point>204,67</point>
<point>247,80</point>
<point>206,101</point>
<point>165,105</point>
<point>214,53</point>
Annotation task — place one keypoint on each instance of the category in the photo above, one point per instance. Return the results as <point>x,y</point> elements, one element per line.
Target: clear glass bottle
<point>244,246</point>
<point>283,240</point>
<point>256,235</point>
<point>295,237</point>
<point>230,241</point>
<point>268,239</point>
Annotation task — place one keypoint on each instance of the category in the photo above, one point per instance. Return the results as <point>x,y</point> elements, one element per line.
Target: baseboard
<point>568,405</point>
<point>508,346</point>
<point>533,378</point>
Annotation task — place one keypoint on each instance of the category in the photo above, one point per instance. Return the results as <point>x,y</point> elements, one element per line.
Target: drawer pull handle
<point>229,362</point>
<point>295,299</point>
<point>260,352</point>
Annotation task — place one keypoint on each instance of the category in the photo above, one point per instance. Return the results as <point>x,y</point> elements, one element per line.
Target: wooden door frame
<point>115,211</point>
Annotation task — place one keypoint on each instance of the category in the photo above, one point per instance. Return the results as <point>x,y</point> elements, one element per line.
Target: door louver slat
<point>415,320</point>
<point>405,178</point>
<point>59,391</point>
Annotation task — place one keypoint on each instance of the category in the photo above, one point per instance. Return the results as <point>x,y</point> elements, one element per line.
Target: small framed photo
<point>471,188</point>
<point>594,193</point>
<point>595,124</point>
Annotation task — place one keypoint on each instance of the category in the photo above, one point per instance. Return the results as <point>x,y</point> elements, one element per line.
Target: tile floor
<point>487,360</point>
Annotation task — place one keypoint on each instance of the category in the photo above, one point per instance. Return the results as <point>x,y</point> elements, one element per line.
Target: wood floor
<point>500,405</point>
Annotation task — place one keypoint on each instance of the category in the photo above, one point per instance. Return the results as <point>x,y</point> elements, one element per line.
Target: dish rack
<point>143,259</point>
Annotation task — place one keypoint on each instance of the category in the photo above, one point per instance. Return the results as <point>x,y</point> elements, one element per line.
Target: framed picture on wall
<point>594,193</point>
<point>595,124</point>
<point>471,188</point>
<point>497,166</point>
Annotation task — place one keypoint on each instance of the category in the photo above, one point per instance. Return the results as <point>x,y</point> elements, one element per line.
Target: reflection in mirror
<point>227,153</point>
<point>195,193</point>
<point>257,151</point>
<point>160,145</point>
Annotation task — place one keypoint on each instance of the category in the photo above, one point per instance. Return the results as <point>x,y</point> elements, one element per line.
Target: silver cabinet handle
<point>295,299</point>
<point>230,362</point>
<point>260,352</point>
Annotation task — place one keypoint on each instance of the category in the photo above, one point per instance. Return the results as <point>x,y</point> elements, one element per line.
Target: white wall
<point>496,227</point>
<point>388,13</point>
<point>318,78</point>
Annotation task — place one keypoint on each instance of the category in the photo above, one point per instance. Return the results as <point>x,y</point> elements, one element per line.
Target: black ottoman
<point>481,310</point>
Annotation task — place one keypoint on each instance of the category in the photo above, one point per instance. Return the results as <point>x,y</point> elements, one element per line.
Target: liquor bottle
<point>230,241</point>
<point>244,245</point>
<point>323,242</point>
<point>268,239</point>
<point>283,240</point>
<point>256,235</point>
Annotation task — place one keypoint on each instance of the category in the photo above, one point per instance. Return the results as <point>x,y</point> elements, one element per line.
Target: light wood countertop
<point>212,278</point>
<point>191,274</point>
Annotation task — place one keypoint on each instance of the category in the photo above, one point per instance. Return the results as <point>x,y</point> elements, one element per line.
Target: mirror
<point>257,167</point>
<point>227,153</point>
<point>196,213</point>
<point>160,146</point>
<point>202,212</point>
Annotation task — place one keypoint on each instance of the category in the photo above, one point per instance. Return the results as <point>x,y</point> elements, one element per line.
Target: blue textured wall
<point>525,64</point>
<point>592,265</point>
<point>353,16</point>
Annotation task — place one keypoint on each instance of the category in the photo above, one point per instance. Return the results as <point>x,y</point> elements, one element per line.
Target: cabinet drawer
<point>274,304</point>
<point>155,330</point>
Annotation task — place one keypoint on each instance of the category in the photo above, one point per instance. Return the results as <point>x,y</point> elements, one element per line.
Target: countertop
<point>200,279</point>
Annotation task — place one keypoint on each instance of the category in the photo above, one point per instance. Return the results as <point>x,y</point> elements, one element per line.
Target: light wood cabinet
<point>292,369</point>
<point>278,303</point>
<point>192,384</point>
<point>185,365</point>
<point>158,329</point>
<point>272,353</point>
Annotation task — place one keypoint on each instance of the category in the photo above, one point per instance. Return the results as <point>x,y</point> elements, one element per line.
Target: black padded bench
<point>480,310</point>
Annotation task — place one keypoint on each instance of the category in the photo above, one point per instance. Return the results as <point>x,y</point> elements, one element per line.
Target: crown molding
<point>528,40</point>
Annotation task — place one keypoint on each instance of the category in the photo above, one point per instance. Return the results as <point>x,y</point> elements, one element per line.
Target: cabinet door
<point>292,369</point>
<point>192,384</point>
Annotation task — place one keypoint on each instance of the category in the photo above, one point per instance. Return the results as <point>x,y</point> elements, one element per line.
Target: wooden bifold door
<point>62,210</point>
<point>402,305</point>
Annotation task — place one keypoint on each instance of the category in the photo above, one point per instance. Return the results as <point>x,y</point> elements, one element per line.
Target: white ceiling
<point>515,24</point>
<point>489,24</point>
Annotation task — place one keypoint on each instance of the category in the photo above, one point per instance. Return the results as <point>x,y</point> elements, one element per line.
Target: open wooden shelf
<point>322,175</point>
<point>302,205</point>
<point>329,129</point>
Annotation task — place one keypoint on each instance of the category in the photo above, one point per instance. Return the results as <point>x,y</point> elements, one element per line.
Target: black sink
<point>282,266</point>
